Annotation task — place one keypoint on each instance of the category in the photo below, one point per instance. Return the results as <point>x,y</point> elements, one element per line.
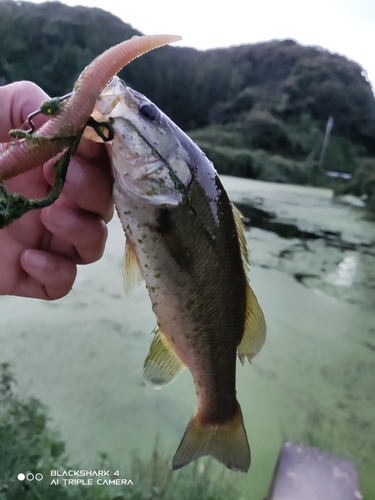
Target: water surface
<point>313,381</point>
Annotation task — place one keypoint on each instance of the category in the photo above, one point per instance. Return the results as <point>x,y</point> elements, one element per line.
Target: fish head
<point>148,160</point>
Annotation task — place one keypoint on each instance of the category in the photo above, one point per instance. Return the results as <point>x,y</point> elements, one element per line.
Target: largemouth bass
<point>186,240</point>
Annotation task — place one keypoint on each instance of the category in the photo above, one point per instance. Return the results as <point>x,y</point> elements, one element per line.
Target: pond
<point>313,381</point>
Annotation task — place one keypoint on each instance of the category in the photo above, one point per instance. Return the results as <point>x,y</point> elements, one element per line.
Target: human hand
<point>39,253</point>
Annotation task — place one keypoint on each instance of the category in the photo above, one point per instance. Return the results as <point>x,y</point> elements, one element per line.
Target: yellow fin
<point>255,326</point>
<point>240,228</point>
<point>131,272</point>
<point>161,365</point>
<point>255,329</point>
<point>227,443</point>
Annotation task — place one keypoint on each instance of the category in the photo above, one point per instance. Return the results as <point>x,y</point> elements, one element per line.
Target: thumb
<point>17,101</point>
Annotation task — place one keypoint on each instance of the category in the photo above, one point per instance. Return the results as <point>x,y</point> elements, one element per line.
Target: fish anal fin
<point>130,270</point>
<point>255,328</point>
<point>161,365</point>
<point>226,442</point>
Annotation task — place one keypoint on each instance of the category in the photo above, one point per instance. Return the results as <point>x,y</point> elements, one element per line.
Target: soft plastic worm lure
<point>70,114</point>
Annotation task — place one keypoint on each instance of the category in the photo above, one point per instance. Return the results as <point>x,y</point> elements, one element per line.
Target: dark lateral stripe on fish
<point>172,238</point>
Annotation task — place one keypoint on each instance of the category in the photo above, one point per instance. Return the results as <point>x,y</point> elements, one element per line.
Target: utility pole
<point>325,142</point>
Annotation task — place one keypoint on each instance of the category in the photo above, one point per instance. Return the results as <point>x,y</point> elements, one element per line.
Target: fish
<point>186,240</point>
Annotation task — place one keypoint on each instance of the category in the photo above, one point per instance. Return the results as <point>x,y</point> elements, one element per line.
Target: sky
<point>343,26</point>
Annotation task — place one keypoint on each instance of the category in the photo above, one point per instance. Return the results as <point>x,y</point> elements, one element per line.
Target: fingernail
<point>62,217</point>
<point>75,173</point>
<point>34,258</point>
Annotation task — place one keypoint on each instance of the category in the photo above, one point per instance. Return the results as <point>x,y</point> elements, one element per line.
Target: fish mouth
<point>117,102</point>
<point>110,104</point>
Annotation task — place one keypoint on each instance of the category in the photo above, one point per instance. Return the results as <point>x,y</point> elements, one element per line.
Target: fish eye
<point>149,111</point>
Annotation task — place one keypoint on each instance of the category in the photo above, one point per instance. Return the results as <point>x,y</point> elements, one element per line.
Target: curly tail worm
<point>57,133</point>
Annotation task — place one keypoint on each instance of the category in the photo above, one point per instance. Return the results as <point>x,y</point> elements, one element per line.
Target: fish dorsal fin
<point>161,365</point>
<point>255,325</point>
<point>240,228</point>
<point>131,272</point>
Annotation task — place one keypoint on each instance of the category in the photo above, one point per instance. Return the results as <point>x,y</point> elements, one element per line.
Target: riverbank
<point>312,382</point>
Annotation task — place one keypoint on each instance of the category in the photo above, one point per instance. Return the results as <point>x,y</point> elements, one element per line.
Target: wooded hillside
<point>258,110</point>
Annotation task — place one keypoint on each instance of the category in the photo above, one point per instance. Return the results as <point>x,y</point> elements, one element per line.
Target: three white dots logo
<point>29,476</point>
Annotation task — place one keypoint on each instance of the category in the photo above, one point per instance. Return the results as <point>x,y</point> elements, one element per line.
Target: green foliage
<point>200,480</point>
<point>274,97</point>
<point>231,161</point>
<point>325,84</point>
<point>258,164</point>
<point>51,43</point>
<point>362,184</point>
<point>263,131</point>
<point>230,111</point>
<point>218,135</point>
<point>27,444</point>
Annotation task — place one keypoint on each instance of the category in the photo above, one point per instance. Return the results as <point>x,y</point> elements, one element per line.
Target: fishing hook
<point>49,107</point>
<point>103,129</point>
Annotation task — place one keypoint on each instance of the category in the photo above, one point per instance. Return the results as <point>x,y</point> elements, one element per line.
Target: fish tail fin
<point>226,442</point>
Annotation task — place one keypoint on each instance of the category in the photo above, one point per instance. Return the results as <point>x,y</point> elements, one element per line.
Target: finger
<point>50,276</point>
<point>78,235</point>
<point>89,149</point>
<point>17,101</point>
<point>88,185</point>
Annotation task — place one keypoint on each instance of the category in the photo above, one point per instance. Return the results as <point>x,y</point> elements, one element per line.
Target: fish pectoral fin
<point>131,272</point>
<point>255,328</point>
<point>161,365</point>
<point>226,442</point>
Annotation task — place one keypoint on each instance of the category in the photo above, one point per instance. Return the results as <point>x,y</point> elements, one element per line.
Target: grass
<point>29,445</point>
